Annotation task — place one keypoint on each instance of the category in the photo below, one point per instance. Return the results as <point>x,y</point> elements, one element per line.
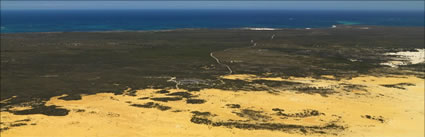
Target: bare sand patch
<point>405,58</point>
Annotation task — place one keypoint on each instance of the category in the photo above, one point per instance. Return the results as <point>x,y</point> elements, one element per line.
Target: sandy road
<point>227,66</point>
<point>173,79</point>
<point>255,44</point>
<point>218,61</point>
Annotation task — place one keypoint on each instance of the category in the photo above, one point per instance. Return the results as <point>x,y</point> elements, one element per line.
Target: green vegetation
<point>37,66</point>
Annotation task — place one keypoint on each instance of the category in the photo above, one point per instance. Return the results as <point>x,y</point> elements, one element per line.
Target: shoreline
<point>362,27</point>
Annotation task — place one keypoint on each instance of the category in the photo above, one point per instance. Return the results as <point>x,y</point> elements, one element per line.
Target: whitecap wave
<point>260,28</point>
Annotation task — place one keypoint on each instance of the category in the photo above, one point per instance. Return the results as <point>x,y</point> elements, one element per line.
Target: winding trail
<point>253,44</point>
<point>173,79</point>
<point>218,62</point>
<point>227,66</point>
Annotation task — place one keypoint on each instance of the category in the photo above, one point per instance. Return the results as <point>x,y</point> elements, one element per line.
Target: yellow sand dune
<point>379,111</point>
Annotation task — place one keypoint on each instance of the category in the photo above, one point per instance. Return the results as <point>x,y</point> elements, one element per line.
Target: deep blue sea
<point>13,21</point>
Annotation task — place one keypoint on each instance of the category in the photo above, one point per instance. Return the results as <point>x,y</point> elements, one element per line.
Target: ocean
<point>16,21</point>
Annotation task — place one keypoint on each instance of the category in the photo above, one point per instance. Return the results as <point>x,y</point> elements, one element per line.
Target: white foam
<point>260,28</point>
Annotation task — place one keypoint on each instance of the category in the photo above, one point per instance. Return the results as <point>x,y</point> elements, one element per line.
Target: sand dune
<point>378,106</point>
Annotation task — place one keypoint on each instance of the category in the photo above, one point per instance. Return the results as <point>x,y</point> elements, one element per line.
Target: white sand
<point>406,58</point>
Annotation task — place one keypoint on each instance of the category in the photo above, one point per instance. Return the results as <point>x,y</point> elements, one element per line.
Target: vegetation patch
<point>377,118</point>
<point>303,114</point>
<point>233,105</point>
<point>71,97</point>
<point>398,85</point>
<point>271,83</point>
<point>181,94</point>
<point>206,114</point>
<point>17,124</point>
<point>253,115</point>
<point>323,91</point>
<point>195,101</point>
<point>166,99</point>
<point>163,92</point>
<point>143,98</point>
<point>351,87</point>
<point>146,59</point>
<point>330,128</point>
<point>42,109</point>
<point>152,105</point>
<point>80,110</point>
<point>23,120</point>
<point>4,129</point>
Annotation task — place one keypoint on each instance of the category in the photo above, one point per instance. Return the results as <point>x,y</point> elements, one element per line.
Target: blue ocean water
<point>13,21</point>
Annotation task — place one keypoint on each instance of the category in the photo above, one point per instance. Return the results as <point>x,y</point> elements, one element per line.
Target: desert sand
<point>381,107</point>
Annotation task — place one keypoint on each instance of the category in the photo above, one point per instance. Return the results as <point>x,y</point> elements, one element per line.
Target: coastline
<point>289,82</point>
<point>339,26</point>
